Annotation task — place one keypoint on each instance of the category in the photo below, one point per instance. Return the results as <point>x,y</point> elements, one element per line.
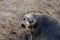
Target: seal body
<point>43,27</point>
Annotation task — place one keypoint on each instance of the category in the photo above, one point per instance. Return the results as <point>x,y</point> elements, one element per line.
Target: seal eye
<point>23,18</point>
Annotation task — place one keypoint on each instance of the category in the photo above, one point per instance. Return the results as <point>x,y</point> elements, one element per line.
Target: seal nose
<point>23,25</point>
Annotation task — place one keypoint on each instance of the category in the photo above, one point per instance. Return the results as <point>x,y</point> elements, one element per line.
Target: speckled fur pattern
<point>45,27</point>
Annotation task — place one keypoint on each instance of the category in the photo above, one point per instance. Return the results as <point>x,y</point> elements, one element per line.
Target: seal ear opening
<point>33,22</point>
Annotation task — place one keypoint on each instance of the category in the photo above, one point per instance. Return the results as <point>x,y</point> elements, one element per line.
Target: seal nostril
<point>23,25</point>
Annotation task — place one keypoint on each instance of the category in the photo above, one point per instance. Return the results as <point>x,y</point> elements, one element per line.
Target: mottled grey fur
<point>45,27</point>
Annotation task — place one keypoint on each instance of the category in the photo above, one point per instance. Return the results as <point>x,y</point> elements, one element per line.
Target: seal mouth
<point>22,25</point>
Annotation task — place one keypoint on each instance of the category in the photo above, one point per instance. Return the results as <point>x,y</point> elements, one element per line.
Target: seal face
<point>28,21</point>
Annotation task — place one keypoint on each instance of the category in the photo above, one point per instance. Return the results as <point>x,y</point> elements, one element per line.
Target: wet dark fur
<point>45,28</point>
